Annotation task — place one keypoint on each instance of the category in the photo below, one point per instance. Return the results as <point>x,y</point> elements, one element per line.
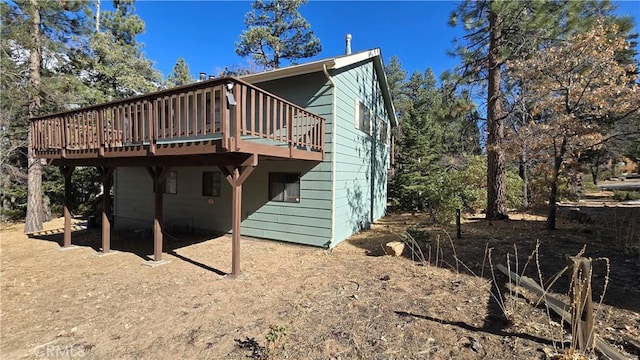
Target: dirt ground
<point>298,302</point>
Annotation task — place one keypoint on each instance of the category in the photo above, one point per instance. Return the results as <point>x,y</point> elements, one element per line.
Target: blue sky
<point>204,33</point>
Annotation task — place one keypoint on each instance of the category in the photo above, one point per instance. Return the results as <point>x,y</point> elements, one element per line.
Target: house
<point>307,161</point>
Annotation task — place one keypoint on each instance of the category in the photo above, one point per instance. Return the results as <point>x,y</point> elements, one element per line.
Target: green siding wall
<point>362,160</point>
<point>312,92</point>
<point>306,222</point>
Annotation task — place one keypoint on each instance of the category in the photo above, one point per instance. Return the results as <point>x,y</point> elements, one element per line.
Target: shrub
<point>515,185</point>
<point>472,182</point>
<point>540,185</point>
<point>440,189</point>
<point>421,236</point>
<point>605,175</point>
<point>622,195</point>
<point>57,210</point>
<point>11,215</point>
<point>588,185</point>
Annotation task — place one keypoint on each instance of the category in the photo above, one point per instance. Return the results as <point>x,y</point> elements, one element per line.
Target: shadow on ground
<point>138,244</point>
<point>604,232</point>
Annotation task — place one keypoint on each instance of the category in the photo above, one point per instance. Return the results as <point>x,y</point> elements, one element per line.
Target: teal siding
<point>309,221</point>
<point>362,160</point>
<point>312,92</point>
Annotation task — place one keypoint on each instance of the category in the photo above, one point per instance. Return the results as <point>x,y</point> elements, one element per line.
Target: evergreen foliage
<point>115,66</point>
<point>275,31</point>
<point>437,133</point>
<point>181,74</point>
<point>63,65</point>
<point>502,31</point>
<point>36,38</point>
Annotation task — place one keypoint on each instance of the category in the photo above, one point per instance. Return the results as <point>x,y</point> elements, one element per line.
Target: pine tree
<point>116,66</point>
<point>36,36</point>
<point>181,74</point>
<point>275,31</point>
<point>52,62</point>
<point>396,78</point>
<point>498,31</point>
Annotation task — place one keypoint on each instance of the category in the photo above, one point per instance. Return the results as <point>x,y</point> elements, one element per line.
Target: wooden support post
<point>236,178</point>
<point>158,175</point>
<point>224,117</point>
<point>236,219</point>
<point>238,119</point>
<point>157,222</point>
<point>581,303</point>
<point>107,183</point>
<point>66,173</point>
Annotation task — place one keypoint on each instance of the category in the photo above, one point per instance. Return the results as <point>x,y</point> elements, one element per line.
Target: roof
<point>333,63</point>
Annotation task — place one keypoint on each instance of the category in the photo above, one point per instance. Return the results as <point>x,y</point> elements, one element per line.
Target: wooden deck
<point>223,122</point>
<point>219,116</point>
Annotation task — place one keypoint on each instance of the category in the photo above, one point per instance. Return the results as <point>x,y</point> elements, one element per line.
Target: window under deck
<point>224,115</point>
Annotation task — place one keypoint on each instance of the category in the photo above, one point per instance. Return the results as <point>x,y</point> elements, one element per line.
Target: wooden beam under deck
<point>211,147</point>
<point>67,171</point>
<point>236,176</point>
<point>158,175</point>
<point>107,183</point>
<point>227,159</point>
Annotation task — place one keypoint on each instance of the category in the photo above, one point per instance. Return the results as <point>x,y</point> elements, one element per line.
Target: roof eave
<point>289,71</point>
<point>386,94</point>
<point>335,64</point>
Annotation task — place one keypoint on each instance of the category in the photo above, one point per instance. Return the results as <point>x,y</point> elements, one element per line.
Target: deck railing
<point>201,111</point>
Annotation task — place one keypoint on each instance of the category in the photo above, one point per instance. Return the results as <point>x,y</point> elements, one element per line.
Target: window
<point>284,187</point>
<point>363,117</point>
<point>211,183</point>
<point>383,131</point>
<point>171,183</point>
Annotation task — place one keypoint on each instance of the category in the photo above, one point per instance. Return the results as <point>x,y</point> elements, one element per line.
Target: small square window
<point>284,187</point>
<point>383,131</point>
<point>211,183</point>
<point>171,183</point>
<point>363,117</point>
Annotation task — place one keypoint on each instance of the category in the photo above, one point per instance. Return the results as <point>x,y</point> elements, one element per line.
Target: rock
<point>475,344</point>
<point>394,248</point>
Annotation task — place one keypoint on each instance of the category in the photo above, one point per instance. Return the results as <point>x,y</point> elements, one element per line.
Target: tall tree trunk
<point>496,178</point>
<point>524,174</point>
<point>33,220</point>
<point>594,174</point>
<point>558,154</point>
<point>98,4</point>
<point>553,198</point>
<point>595,169</point>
